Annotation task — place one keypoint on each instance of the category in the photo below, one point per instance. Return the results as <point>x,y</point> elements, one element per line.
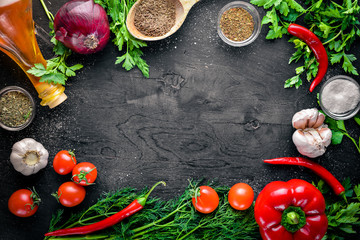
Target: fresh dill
<point>177,219</point>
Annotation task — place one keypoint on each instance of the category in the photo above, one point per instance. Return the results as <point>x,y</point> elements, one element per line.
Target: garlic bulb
<point>28,156</point>
<point>312,136</point>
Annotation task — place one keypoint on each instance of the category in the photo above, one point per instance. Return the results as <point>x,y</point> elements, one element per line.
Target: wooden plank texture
<point>208,111</point>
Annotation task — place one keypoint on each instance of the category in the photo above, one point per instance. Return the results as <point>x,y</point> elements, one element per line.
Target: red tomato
<point>84,173</point>
<point>24,203</point>
<point>70,194</point>
<point>64,162</point>
<point>241,196</point>
<point>206,200</point>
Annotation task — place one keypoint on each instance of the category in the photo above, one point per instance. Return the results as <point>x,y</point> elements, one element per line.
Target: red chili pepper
<point>316,46</point>
<point>132,208</point>
<point>317,168</point>
<point>293,210</point>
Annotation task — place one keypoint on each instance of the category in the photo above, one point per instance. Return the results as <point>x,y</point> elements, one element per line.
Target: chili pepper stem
<point>142,200</point>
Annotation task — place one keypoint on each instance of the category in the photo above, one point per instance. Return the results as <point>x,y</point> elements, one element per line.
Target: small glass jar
<point>29,116</point>
<point>256,20</point>
<point>339,97</point>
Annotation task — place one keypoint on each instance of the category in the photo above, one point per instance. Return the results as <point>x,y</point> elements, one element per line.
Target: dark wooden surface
<point>208,110</point>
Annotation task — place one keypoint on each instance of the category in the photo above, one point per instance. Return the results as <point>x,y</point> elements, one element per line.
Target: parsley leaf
<point>56,71</point>
<point>118,10</point>
<point>336,25</point>
<point>338,130</point>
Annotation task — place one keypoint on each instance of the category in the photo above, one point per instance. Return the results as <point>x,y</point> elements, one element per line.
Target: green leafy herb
<point>177,219</point>
<point>173,219</point>
<point>343,214</point>
<point>118,10</point>
<point>338,130</point>
<point>337,26</point>
<point>56,71</point>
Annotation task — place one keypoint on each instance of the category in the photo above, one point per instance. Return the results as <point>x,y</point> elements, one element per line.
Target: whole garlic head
<point>312,136</point>
<point>28,156</point>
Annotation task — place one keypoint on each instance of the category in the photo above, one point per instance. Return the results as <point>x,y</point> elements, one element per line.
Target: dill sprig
<point>177,219</point>
<point>173,219</point>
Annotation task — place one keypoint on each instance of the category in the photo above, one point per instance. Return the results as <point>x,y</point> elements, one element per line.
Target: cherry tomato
<point>64,162</point>
<point>84,173</point>
<point>70,194</point>
<point>24,203</point>
<point>206,199</point>
<point>241,196</point>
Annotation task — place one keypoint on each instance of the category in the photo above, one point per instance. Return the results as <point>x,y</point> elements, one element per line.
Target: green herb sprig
<point>339,130</point>
<point>177,219</point>
<point>173,219</point>
<point>337,26</point>
<point>56,71</point>
<point>118,11</point>
<point>343,213</point>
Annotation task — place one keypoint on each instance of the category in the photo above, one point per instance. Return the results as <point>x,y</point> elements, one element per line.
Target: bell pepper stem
<point>293,218</point>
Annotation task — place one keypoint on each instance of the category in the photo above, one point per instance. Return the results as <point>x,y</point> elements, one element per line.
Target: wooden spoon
<point>182,8</point>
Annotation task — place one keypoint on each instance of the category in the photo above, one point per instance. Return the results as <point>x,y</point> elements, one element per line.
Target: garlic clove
<point>308,144</point>
<point>326,136</point>
<point>308,118</point>
<point>312,116</point>
<point>27,171</point>
<point>17,162</point>
<point>319,121</point>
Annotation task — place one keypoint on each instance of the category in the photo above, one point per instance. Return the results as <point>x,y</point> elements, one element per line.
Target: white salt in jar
<point>340,97</point>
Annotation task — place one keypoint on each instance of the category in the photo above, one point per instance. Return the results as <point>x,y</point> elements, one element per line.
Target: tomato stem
<point>82,176</point>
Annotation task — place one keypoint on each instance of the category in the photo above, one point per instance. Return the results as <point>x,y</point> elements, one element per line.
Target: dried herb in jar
<point>15,109</point>
<point>237,24</point>
<point>154,18</point>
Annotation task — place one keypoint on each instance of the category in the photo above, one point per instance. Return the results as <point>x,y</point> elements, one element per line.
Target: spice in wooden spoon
<point>155,18</point>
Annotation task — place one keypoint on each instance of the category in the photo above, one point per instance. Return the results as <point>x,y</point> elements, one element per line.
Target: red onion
<point>82,26</point>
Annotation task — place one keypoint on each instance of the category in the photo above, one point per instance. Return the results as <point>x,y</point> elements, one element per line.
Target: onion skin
<point>82,26</point>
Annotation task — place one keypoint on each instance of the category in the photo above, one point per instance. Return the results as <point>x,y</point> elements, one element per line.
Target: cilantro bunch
<point>118,11</point>
<point>56,71</point>
<point>336,25</point>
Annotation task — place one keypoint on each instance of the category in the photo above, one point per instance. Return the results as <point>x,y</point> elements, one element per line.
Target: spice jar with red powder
<point>239,23</point>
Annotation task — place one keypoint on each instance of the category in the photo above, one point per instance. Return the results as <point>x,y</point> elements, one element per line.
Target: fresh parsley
<point>118,10</point>
<point>56,71</point>
<point>343,213</point>
<point>336,25</point>
<point>338,130</point>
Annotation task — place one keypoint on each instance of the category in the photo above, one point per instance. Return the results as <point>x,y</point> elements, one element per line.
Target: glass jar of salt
<point>340,97</point>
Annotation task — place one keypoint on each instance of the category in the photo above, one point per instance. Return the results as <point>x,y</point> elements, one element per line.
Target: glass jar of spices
<point>339,97</point>
<point>17,108</point>
<point>239,23</point>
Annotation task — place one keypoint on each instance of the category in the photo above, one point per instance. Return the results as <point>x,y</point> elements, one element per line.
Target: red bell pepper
<point>293,210</point>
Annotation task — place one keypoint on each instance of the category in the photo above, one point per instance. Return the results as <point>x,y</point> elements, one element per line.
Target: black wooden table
<point>208,111</point>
